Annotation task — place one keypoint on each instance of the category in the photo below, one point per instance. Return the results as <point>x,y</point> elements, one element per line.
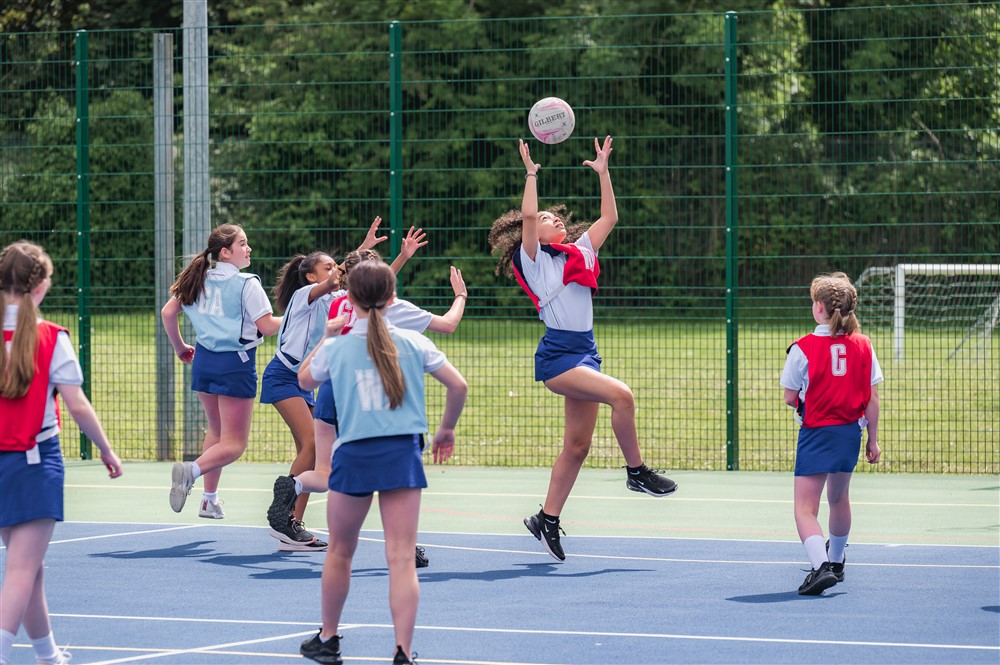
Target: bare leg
<point>298,416</point>
<point>586,385</point>
<point>213,426</point>
<point>838,495</point>
<point>808,491</point>
<point>318,479</point>
<point>22,595</point>
<point>344,514</point>
<point>581,417</point>
<point>234,414</point>
<point>400,512</point>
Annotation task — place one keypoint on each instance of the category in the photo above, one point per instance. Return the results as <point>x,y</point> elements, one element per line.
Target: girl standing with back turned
<point>36,362</point>
<point>829,379</point>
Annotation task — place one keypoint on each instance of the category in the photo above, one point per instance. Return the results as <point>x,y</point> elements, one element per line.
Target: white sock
<point>816,551</point>
<point>837,546</point>
<point>45,647</point>
<point>6,646</point>
<point>210,496</point>
<point>298,486</point>
<point>195,470</point>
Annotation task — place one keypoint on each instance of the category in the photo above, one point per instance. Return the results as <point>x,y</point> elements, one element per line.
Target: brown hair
<point>191,281</point>
<point>372,286</point>
<point>353,259</point>
<point>23,266</point>
<point>292,277</point>
<point>839,298</point>
<point>505,235</point>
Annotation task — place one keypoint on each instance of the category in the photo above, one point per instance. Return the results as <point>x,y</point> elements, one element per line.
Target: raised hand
<point>372,238</point>
<point>530,166</point>
<point>600,162</point>
<point>457,283</point>
<point>414,240</point>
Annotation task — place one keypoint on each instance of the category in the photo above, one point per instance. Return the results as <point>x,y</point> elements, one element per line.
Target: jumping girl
<point>231,314</point>
<point>561,279</point>
<point>37,362</point>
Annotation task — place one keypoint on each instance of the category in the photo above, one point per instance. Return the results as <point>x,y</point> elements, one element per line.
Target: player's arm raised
<point>529,203</point>
<point>601,229</point>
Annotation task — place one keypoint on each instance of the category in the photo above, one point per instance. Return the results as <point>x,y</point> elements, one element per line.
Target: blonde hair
<point>23,266</point>
<point>372,284</point>
<point>840,299</point>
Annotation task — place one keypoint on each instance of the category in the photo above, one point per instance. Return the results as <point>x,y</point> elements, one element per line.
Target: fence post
<point>395,138</point>
<point>732,257</point>
<point>197,201</point>
<point>83,222</point>
<point>163,212</point>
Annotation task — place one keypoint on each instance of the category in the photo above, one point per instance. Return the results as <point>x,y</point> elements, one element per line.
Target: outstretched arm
<point>414,240</point>
<point>529,202</point>
<point>601,229</point>
<point>448,323</point>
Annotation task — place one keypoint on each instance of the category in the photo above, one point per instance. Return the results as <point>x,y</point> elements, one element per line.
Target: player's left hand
<point>872,452</point>
<point>444,445</point>
<point>600,161</point>
<point>113,464</point>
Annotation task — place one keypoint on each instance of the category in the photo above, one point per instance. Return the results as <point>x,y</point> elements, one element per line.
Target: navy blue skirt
<point>224,373</point>
<point>326,408</point>
<point>32,491</point>
<point>280,383</point>
<point>378,465</point>
<point>561,350</point>
<point>830,449</point>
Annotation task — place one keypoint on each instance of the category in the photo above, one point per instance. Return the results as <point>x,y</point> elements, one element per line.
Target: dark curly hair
<point>505,235</point>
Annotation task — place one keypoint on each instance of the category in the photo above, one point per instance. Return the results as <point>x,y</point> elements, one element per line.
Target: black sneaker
<point>546,530</point>
<point>837,568</point>
<point>649,481</point>
<point>422,561</point>
<point>295,538</point>
<point>818,580</point>
<point>281,504</point>
<point>401,659</point>
<point>327,652</point>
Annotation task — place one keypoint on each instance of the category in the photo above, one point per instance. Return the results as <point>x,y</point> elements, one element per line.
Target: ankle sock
<point>45,647</point>
<point>635,469</point>
<point>195,470</point>
<point>6,645</point>
<point>815,550</point>
<point>211,497</point>
<point>837,545</point>
<point>298,486</point>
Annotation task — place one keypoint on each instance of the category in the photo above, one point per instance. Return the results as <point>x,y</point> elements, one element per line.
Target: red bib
<point>18,432</point>
<point>582,267</point>
<point>840,378</point>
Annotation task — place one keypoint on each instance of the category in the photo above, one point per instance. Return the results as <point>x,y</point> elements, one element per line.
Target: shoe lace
<point>298,526</point>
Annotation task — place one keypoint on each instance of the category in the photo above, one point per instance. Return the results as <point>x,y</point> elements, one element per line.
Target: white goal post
<point>990,317</point>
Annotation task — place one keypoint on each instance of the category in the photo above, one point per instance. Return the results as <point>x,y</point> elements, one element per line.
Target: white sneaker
<point>211,510</point>
<point>61,658</point>
<point>181,481</point>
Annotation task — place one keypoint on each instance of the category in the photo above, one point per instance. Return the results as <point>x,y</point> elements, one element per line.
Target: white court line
<point>518,631</point>
<point>127,533</point>
<point>208,649</point>
<point>673,499</point>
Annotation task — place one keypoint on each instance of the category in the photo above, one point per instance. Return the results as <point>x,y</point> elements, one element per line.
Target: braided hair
<point>23,267</point>
<point>840,299</point>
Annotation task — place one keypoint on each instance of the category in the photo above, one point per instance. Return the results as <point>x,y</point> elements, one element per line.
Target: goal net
<point>958,301</point>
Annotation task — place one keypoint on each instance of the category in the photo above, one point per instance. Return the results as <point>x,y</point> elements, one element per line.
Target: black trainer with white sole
<point>644,479</point>
<point>546,529</point>
<point>818,580</point>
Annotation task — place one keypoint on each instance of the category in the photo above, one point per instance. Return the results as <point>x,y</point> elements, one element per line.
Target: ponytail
<point>372,286</point>
<point>23,266</point>
<point>191,281</point>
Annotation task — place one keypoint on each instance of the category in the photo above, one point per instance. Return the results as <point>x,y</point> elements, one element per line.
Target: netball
<point>551,120</point>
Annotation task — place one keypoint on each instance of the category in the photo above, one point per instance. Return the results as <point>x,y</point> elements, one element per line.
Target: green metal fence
<point>752,151</point>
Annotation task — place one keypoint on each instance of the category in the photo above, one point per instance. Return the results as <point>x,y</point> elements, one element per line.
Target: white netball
<point>551,120</point>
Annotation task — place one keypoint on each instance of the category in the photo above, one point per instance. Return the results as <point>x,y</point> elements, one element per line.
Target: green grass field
<point>938,415</point>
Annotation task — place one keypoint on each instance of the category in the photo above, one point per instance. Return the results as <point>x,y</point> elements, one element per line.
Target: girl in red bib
<point>830,379</point>
<point>37,361</point>
<point>561,278</point>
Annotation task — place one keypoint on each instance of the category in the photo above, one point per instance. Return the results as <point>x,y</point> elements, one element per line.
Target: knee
<point>577,447</point>
<point>623,399</point>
